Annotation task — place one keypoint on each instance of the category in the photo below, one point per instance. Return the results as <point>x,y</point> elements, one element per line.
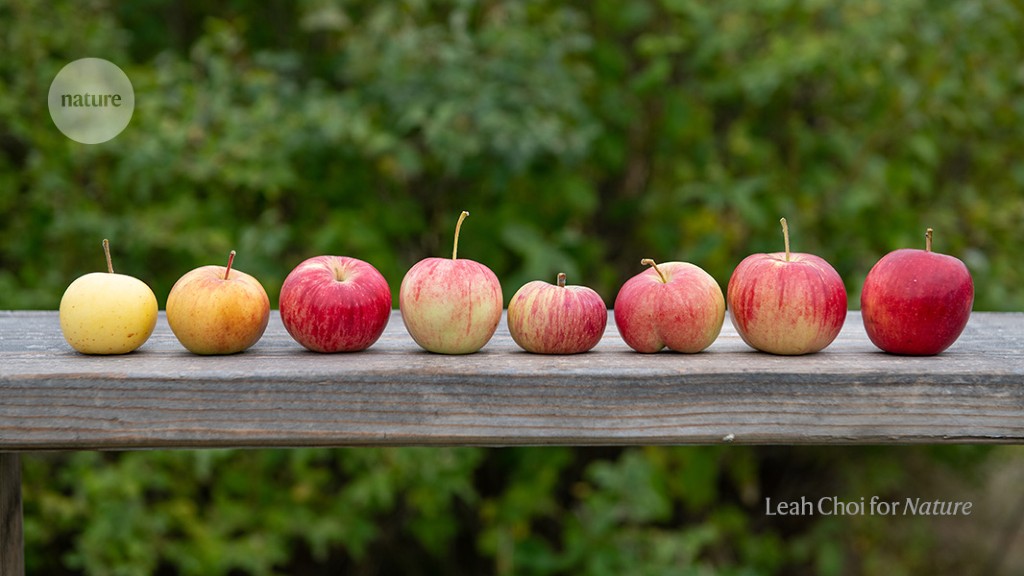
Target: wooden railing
<point>278,394</point>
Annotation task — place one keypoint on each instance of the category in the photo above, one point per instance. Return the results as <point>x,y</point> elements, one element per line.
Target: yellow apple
<point>107,313</point>
<point>218,310</point>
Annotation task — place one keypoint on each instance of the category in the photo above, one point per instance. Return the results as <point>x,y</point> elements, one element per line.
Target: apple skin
<point>916,302</point>
<point>107,313</point>
<point>684,312</point>
<point>450,306</point>
<point>335,304</point>
<point>556,319</point>
<point>787,307</point>
<point>213,315</point>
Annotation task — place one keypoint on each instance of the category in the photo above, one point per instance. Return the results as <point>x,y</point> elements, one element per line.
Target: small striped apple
<point>556,319</point>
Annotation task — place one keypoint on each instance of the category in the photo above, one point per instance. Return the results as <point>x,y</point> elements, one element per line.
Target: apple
<point>916,302</point>
<point>450,306</point>
<point>335,304</point>
<point>787,303</point>
<point>218,309</point>
<point>107,313</point>
<point>673,304</point>
<point>556,319</point>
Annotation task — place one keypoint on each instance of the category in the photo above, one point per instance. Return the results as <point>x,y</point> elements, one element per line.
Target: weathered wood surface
<point>278,394</point>
<point>12,556</point>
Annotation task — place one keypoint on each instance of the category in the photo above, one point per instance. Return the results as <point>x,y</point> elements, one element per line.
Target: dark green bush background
<point>582,136</point>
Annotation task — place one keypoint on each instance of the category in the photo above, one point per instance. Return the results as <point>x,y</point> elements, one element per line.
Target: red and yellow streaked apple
<point>787,303</point>
<point>674,305</point>
<point>548,318</point>
<point>450,306</point>
<point>218,309</point>
<point>916,302</point>
<point>107,313</point>
<point>335,304</point>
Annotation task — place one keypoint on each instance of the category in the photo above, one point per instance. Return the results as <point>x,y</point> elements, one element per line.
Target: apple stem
<point>560,279</point>
<point>458,226</point>
<point>928,240</point>
<point>231,260</point>
<point>785,235</point>
<point>106,252</point>
<point>649,262</point>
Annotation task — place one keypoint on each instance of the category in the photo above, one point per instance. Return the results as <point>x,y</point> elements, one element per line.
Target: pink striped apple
<point>556,319</point>
<point>335,304</point>
<point>450,306</point>
<point>787,302</point>
<point>673,305</point>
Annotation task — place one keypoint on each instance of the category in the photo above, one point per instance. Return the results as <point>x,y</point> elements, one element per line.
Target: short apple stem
<point>928,240</point>
<point>458,226</point>
<point>231,260</point>
<point>106,252</point>
<point>785,235</point>
<point>560,279</point>
<point>649,262</point>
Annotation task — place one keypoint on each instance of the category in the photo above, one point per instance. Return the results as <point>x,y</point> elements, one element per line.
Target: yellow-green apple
<point>335,304</point>
<point>787,302</point>
<point>107,313</point>
<point>218,309</point>
<point>556,319</point>
<point>916,302</point>
<point>674,305</point>
<point>450,306</point>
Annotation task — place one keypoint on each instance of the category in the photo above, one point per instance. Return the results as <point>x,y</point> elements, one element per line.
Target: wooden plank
<point>12,549</point>
<point>278,394</point>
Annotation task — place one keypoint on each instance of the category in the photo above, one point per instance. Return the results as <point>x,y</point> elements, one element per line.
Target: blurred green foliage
<point>582,136</point>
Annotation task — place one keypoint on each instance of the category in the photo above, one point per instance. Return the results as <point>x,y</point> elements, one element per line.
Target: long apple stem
<point>649,262</point>
<point>785,235</point>
<point>106,252</point>
<point>231,260</point>
<point>560,279</point>
<point>928,240</point>
<point>458,226</point>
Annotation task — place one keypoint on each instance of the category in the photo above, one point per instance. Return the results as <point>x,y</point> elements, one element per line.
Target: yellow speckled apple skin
<point>104,313</point>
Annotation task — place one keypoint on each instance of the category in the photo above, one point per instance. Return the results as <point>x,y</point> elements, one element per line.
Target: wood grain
<point>12,559</point>
<point>278,394</point>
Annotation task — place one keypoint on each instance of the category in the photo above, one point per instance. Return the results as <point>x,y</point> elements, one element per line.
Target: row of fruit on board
<point>913,302</point>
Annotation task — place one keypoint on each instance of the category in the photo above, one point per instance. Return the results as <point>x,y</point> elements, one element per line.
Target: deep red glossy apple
<point>916,302</point>
<point>673,305</point>
<point>335,304</point>
<point>556,319</point>
<point>786,302</point>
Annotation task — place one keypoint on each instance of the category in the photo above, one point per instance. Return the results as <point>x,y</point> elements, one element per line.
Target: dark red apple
<point>916,302</point>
